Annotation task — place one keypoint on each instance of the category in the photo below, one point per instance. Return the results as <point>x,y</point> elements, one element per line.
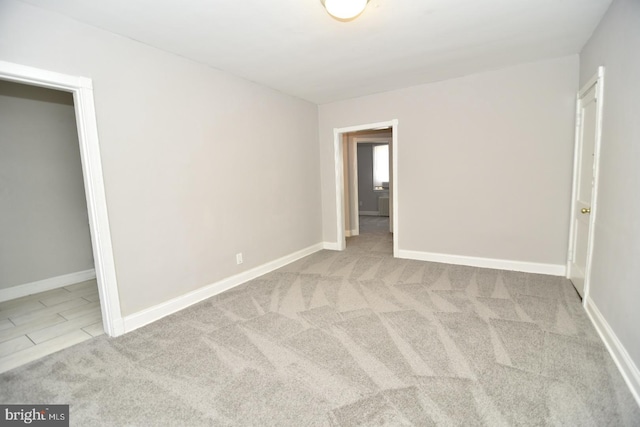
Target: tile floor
<point>37,325</point>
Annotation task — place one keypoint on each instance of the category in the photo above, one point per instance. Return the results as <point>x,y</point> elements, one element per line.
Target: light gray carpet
<point>347,339</point>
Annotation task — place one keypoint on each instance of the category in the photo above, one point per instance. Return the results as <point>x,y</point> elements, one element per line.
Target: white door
<point>587,134</point>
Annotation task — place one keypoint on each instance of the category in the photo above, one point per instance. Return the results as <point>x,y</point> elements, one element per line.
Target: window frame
<point>380,188</point>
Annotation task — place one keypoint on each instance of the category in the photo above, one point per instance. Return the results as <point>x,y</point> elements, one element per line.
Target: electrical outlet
<point>239,258</point>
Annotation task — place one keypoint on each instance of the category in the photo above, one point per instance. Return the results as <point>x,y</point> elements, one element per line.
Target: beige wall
<point>198,164</point>
<point>44,229</point>
<point>615,279</point>
<point>484,161</point>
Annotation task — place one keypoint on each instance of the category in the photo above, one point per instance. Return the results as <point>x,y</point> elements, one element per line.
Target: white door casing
<point>585,179</point>
<point>338,151</point>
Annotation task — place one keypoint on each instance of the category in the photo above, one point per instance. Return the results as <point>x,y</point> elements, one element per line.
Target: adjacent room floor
<point>41,324</point>
<point>344,339</point>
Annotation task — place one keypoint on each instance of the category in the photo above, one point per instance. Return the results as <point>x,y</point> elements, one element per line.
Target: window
<point>381,167</point>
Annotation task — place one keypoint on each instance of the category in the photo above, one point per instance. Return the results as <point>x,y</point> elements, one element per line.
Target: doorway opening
<point>365,200</point>
<point>81,90</point>
<point>367,177</point>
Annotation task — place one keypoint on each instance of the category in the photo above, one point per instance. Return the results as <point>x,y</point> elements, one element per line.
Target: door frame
<point>353,182</point>
<point>338,147</point>
<point>82,90</point>
<point>598,80</point>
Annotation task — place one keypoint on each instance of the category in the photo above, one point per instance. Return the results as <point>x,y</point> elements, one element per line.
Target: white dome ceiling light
<point>345,10</point>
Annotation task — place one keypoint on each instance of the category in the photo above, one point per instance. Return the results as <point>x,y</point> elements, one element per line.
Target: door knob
<point>585,210</point>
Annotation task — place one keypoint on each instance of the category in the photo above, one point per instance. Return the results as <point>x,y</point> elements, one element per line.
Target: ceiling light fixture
<point>345,10</point>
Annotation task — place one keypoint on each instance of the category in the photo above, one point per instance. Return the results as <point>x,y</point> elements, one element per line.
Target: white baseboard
<point>151,314</point>
<point>369,213</point>
<point>620,356</point>
<point>46,285</point>
<point>499,264</point>
<point>332,246</point>
<point>118,327</point>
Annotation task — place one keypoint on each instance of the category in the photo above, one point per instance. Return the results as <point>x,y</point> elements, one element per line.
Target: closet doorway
<point>80,91</point>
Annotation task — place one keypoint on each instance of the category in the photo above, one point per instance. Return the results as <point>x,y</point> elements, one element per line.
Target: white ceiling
<point>294,46</point>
